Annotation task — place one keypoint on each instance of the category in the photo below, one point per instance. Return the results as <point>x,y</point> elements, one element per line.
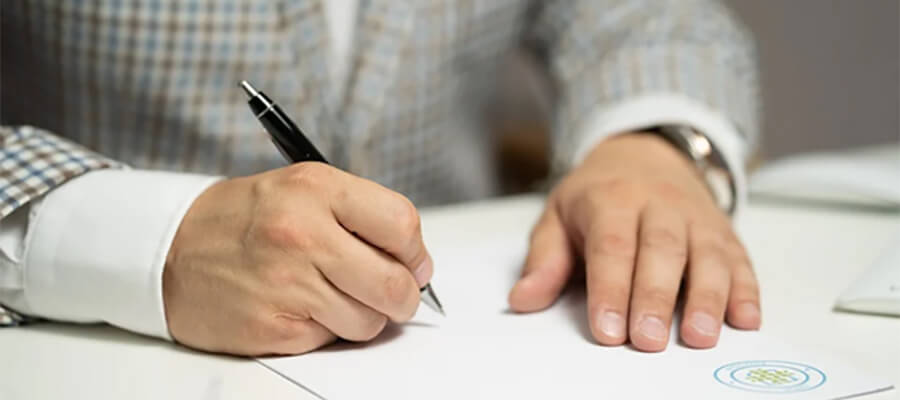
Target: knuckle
<point>745,290</point>
<point>615,297</point>
<point>613,244</point>
<point>615,185</point>
<point>740,256</point>
<point>656,297</point>
<point>709,242</point>
<point>670,192</point>
<point>743,267</point>
<point>371,327</point>
<point>618,192</point>
<point>664,239</point>
<point>262,188</point>
<point>727,231</point>
<point>342,195</point>
<point>406,216</point>
<point>708,297</point>
<point>281,232</point>
<point>408,308</point>
<point>586,202</point>
<point>308,174</point>
<point>279,330</point>
<point>256,323</point>
<point>397,288</point>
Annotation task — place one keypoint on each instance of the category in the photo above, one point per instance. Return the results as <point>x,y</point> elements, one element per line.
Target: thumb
<point>547,266</point>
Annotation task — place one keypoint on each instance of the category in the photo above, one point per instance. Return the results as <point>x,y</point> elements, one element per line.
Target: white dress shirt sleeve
<point>95,248</point>
<point>666,108</point>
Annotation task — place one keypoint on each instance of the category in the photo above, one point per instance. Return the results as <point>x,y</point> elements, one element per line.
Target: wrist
<point>707,160</point>
<point>645,112</point>
<point>641,145</point>
<point>641,157</point>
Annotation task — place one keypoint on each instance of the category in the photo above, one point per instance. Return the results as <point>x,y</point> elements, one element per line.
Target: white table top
<point>804,259</point>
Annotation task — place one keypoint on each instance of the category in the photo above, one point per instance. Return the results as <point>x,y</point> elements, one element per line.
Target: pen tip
<point>431,300</point>
<point>249,89</point>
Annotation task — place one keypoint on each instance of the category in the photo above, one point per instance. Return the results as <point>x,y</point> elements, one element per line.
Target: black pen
<point>295,147</point>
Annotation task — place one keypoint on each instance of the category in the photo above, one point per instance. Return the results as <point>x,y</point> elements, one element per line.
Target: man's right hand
<point>285,261</point>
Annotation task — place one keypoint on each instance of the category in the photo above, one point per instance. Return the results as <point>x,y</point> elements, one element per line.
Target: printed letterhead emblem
<point>770,376</point>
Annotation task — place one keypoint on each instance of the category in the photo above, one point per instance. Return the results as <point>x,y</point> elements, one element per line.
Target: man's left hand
<point>640,216</point>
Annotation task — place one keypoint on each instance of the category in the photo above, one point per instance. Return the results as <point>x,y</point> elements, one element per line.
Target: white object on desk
<point>481,350</point>
<point>868,177</point>
<point>878,289</point>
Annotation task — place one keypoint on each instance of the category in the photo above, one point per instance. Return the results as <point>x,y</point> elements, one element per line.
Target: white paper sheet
<point>480,350</point>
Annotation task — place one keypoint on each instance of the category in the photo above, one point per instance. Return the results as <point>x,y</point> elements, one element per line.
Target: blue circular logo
<point>770,376</point>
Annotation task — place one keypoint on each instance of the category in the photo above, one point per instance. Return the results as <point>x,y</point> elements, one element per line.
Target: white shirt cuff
<point>669,108</point>
<point>96,249</point>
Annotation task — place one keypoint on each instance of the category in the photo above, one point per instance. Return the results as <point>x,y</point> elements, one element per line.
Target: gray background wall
<point>830,71</point>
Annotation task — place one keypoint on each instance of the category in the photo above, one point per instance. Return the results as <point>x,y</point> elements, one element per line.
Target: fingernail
<point>422,273</point>
<point>748,311</point>
<point>652,328</point>
<point>705,324</point>
<point>612,324</point>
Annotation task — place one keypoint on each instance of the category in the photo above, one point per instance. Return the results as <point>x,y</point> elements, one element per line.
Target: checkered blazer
<point>152,83</point>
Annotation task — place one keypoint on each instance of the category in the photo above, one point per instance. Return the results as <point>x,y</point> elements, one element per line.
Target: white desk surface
<point>804,257</point>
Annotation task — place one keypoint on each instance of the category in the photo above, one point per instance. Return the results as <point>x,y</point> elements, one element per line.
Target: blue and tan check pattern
<point>153,82</point>
<point>33,162</point>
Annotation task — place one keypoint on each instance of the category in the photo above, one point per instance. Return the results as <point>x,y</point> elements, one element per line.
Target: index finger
<point>384,219</point>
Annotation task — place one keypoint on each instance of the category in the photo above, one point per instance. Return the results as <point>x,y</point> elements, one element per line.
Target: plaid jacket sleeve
<point>604,52</point>
<point>32,162</point>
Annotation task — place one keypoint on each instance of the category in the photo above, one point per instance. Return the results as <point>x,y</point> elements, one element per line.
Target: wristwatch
<point>706,158</point>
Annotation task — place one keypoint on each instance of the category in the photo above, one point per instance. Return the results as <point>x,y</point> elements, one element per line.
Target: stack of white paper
<point>480,350</point>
